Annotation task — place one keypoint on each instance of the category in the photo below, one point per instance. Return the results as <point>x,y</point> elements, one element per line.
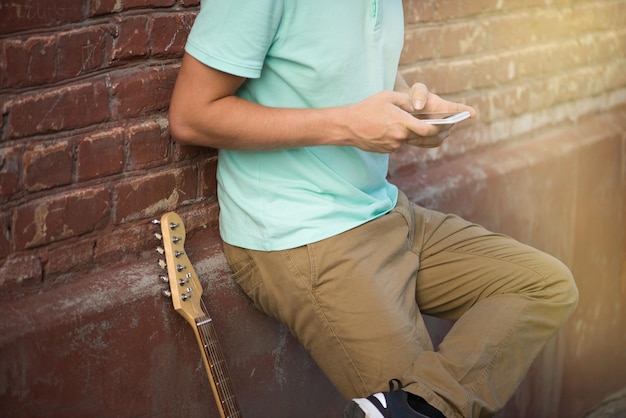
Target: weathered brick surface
<point>59,109</point>
<point>17,15</point>
<point>142,91</point>
<point>150,195</point>
<point>99,79</point>
<point>84,88</point>
<point>32,60</point>
<point>148,145</point>
<point>83,50</point>
<point>47,166</point>
<point>132,37</point>
<point>97,7</point>
<point>20,271</point>
<point>168,33</point>
<point>79,254</point>
<point>10,169</point>
<point>100,155</point>
<point>208,180</point>
<point>5,235</point>
<point>49,220</point>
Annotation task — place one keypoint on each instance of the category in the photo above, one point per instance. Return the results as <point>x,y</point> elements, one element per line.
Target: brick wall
<point>85,155</point>
<point>525,65</point>
<point>86,160</point>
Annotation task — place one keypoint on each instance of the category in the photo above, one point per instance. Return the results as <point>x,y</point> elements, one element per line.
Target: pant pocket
<point>245,273</point>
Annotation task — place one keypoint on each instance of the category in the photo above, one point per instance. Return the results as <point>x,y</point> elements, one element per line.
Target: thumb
<point>419,95</point>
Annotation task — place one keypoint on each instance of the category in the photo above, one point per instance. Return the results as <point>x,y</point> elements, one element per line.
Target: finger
<point>402,100</point>
<point>421,128</point>
<point>419,95</point>
<point>429,142</point>
<point>443,134</point>
<point>437,104</point>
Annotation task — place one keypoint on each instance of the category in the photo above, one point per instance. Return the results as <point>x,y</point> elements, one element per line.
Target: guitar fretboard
<point>207,339</point>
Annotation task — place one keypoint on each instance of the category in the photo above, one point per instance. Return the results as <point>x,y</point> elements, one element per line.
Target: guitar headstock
<point>184,287</point>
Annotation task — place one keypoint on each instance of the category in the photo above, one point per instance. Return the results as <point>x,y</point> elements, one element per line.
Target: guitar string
<point>224,388</point>
<point>217,354</point>
<point>228,396</point>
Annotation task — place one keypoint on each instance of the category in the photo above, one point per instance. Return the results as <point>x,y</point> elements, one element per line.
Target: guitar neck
<point>186,292</point>
<point>216,368</point>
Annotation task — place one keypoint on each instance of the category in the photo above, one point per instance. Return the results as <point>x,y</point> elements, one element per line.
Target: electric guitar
<point>186,291</point>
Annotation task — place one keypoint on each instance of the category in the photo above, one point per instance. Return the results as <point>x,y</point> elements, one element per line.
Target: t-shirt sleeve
<point>234,36</point>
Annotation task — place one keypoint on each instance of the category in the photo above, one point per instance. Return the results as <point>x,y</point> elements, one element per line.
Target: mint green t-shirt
<point>300,54</point>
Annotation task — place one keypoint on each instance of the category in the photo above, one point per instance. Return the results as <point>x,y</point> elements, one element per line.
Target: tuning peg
<point>162,264</point>
<point>166,293</point>
<point>176,239</point>
<point>163,278</point>
<point>160,250</point>
<point>174,225</point>
<point>155,222</point>
<point>180,267</point>
<point>158,236</point>
<point>178,253</point>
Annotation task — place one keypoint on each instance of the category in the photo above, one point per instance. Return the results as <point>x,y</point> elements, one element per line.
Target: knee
<point>561,288</point>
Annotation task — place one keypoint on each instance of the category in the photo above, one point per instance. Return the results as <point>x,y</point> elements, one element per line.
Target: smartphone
<point>442,118</point>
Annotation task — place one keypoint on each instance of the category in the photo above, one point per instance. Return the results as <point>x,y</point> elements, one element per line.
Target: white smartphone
<point>442,118</point>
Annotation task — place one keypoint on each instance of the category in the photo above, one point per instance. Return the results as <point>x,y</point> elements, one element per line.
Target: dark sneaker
<point>392,404</point>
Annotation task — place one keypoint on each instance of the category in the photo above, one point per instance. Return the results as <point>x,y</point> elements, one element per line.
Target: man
<point>297,96</point>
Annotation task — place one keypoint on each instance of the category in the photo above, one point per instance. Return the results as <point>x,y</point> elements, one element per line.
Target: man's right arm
<point>205,111</point>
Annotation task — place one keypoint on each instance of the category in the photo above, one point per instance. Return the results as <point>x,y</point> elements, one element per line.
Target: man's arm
<point>205,111</point>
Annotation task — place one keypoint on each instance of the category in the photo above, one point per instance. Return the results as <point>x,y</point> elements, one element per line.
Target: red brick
<point>132,38</point>
<point>100,155</point>
<point>553,25</point>
<point>16,15</point>
<point>419,10</point>
<point>448,78</point>
<point>455,9</point>
<point>420,44</point>
<point>620,15</point>
<point>59,109</point>
<point>56,218</point>
<point>81,51</point>
<point>598,48</point>
<point>129,238</point>
<point>208,179</point>
<point>461,39</point>
<point>142,91</point>
<point>185,152</point>
<point>98,7</point>
<point>168,33</point>
<point>48,166</point>
<point>61,258</point>
<point>10,169</point>
<point>509,31</point>
<point>484,71</point>
<point>148,145</point>
<point>5,235</point>
<point>507,101</point>
<point>29,61</point>
<point>3,72</point>
<point>614,76</point>
<point>151,195</point>
<point>594,16</point>
<point>19,270</point>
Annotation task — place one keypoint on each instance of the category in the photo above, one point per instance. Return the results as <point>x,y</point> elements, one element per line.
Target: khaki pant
<point>354,302</point>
